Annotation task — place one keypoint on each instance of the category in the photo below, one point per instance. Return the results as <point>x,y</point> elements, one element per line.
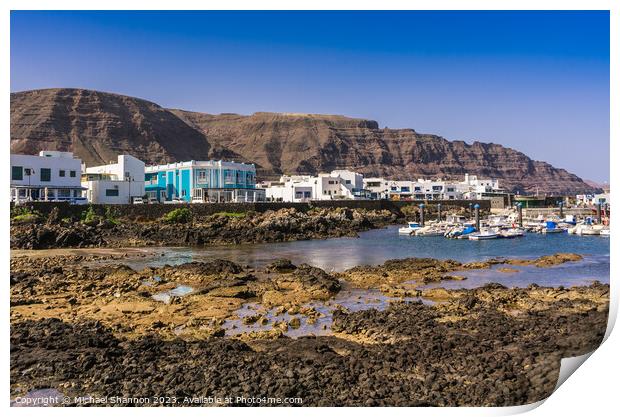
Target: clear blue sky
<point>534,81</point>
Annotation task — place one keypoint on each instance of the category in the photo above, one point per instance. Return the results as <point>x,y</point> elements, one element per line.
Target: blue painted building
<point>202,181</point>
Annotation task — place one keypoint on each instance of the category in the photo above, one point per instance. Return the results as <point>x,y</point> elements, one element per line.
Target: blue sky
<point>534,81</point>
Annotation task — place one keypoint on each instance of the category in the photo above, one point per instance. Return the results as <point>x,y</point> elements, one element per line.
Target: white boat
<point>590,231</point>
<point>429,231</point>
<point>547,230</point>
<point>605,233</point>
<point>585,229</point>
<point>409,229</point>
<point>483,235</point>
<point>511,233</point>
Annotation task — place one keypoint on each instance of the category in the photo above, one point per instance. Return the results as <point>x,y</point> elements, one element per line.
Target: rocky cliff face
<point>98,126</point>
<point>302,143</point>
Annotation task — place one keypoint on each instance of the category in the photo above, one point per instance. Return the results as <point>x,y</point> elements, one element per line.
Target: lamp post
<point>477,215</point>
<point>421,214</point>
<point>520,214</point>
<point>439,211</point>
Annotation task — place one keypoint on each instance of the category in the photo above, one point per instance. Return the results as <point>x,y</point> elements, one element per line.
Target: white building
<point>49,176</point>
<point>474,188</point>
<point>426,189</point>
<point>117,183</point>
<point>378,188</point>
<point>585,200</point>
<point>337,185</point>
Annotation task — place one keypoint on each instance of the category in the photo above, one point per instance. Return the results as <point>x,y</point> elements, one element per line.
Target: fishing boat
<point>484,235</point>
<point>409,229</point>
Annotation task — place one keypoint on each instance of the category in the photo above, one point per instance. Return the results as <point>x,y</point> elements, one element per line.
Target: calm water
<point>376,246</point>
<point>352,300</point>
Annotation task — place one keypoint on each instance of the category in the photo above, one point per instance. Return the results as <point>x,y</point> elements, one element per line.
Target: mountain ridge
<point>97,126</point>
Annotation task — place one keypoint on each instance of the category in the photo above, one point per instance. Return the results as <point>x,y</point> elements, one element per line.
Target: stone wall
<point>155,211</point>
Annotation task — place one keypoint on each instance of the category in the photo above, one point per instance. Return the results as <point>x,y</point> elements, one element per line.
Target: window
<point>202,177</point>
<point>183,193</point>
<point>404,189</point>
<point>17,173</point>
<point>450,189</point>
<point>28,172</point>
<point>229,176</point>
<point>347,182</point>
<point>417,189</point>
<point>61,173</point>
<point>46,174</point>
<point>64,193</point>
<point>111,192</point>
<point>72,174</point>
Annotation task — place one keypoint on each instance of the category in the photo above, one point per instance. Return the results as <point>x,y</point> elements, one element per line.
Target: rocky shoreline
<point>38,232</point>
<point>83,327</point>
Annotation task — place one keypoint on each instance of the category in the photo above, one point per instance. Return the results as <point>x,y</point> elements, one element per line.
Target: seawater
<point>376,246</point>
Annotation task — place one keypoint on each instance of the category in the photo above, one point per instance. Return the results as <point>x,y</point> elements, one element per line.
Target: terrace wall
<point>155,211</point>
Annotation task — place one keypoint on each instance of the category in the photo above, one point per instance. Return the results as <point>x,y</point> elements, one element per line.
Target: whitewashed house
<point>423,189</point>
<point>115,183</point>
<point>49,176</point>
<point>337,185</point>
<point>378,188</point>
<point>474,188</point>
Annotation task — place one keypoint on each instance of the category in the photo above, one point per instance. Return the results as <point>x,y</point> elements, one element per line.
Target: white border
<point>592,391</point>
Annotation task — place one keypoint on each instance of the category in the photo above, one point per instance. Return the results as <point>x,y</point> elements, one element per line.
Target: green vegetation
<point>89,215</point>
<point>179,215</point>
<point>25,215</point>
<point>110,215</point>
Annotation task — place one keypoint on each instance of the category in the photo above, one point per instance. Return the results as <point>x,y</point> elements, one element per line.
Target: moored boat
<point>409,229</point>
<point>511,233</point>
<point>483,235</point>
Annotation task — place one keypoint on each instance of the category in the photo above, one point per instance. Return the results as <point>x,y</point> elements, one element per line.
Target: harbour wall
<point>143,212</point>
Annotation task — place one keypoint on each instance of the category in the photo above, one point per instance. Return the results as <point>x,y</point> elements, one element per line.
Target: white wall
<point>126,176</point>
<point>65,163</point>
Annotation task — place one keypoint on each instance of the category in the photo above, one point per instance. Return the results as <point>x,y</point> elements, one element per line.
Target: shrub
<point>90,215</point>
<point>25,215</point>
<point>179,215</point>
<point>110,215</point>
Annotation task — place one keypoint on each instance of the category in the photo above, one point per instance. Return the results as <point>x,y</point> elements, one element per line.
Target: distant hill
<point>598,185</point>
<point>98,126</point>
